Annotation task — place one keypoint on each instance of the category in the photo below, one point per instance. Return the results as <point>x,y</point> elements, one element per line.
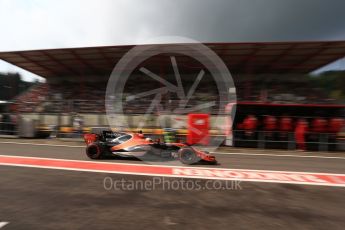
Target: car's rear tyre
<point>94,151</point>
<point>187,156</point>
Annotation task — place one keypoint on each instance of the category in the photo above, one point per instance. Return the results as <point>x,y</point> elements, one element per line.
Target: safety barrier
<point>8,128</point>
<point>257,139</point>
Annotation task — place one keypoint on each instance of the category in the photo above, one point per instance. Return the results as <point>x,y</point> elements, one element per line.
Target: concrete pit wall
<point>99,120</point>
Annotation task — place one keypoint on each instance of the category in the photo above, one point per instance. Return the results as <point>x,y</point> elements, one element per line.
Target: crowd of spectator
<point>32,99</point>
<point>282,93</point>
<point>89,97</point>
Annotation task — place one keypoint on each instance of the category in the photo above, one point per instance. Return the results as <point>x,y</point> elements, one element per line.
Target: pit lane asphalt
<point>32,198</point>
<point>240,160</point>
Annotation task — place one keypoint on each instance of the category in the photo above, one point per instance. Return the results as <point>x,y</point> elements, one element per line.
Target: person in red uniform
<point>270,125</point>
<point>319,128</point>
<point>300,131</point>
<point>319,125</point>
<point>335,125</point>
<point>285,126</point>
<point>250,124</point>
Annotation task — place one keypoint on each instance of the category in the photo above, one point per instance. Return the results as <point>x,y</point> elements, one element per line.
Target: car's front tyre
<point>188,156</point>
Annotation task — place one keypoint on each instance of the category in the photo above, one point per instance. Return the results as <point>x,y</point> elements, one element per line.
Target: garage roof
<point>263,57</point>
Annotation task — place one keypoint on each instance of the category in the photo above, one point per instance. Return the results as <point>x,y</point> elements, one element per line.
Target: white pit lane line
<point>2,224</point>
<point>216,152</point>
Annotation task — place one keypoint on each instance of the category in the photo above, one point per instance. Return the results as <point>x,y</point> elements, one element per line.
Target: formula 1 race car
<point>109,143</point>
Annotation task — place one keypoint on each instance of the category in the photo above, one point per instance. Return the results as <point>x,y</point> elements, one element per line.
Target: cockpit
<point>115,138</point>
<point>121,139</point>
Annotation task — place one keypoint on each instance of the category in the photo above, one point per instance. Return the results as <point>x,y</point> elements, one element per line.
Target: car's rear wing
<point>89,138</point>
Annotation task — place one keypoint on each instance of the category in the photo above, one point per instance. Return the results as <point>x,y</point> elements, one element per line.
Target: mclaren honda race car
<point>109,143</point>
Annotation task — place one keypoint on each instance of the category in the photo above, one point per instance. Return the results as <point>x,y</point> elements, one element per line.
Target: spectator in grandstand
<point>300,133</point>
